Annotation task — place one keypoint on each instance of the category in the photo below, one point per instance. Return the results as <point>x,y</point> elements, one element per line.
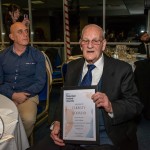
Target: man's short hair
<point>141,34</point>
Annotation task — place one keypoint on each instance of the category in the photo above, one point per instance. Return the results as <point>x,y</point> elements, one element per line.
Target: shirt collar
<point>13,50</point>
<point>98,63</point>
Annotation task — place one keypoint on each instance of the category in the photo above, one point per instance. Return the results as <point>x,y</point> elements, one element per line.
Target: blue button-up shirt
<point>24,73</point>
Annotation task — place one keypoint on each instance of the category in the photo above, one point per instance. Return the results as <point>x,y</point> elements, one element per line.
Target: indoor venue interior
<point>55,29</point>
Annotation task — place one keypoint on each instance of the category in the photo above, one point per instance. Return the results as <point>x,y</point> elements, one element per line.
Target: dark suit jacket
<point>118,84</point>
<point>142,80</point>
<point>142,49</point>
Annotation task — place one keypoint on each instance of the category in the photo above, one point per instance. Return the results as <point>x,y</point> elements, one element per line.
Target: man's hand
<point>101,100</point>
<point>19,98</point>
<point>26,21</point>
<point>56,133</point>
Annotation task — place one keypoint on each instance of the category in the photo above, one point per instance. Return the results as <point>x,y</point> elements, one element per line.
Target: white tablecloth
<point>20,140</point>
<point>135,57</point>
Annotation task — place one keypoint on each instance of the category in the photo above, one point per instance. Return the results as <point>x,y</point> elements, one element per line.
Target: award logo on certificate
<point>80,116</point>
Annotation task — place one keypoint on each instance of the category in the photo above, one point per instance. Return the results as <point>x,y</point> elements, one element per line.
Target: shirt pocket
<point>28,68</point>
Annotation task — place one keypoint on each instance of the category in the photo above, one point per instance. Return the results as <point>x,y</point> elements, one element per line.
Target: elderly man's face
<point>19,34</point>
<point>92,43</point>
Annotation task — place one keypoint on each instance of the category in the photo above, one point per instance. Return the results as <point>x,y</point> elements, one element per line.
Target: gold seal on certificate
<point>80,121</point>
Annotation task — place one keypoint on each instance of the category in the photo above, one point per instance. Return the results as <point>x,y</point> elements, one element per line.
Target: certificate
<point>80,124</point>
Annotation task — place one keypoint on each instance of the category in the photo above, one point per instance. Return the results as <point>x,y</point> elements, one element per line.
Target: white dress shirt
<point>96,72</point>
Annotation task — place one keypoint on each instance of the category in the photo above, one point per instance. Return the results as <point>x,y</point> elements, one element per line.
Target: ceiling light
<point>84,7</point>
<point>37,2</point>
<point>6,4</point>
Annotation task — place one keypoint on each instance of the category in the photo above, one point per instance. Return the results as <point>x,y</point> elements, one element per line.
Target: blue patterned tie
<point>88,76</point>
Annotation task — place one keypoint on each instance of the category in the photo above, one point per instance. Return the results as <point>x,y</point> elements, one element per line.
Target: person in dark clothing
<point>116,98</point>
<point>14,15</point>
<point>142,74</point>
<point>145,39</point>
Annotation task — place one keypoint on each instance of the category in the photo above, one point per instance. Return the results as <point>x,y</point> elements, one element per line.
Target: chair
<point>64,70</point>
<point>142,80</point>
<point>54,57</point>
<point>65,64</point>
<point>55,64</point>
<point>76,50</point>
<point>44,95</point>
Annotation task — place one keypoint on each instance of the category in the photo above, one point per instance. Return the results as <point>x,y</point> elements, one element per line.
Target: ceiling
<point>113,7</point>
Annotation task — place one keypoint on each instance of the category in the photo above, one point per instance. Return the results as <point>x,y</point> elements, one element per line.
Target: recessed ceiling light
<point>6,4</point>
<point>37,2</point>
<point>84,7</point>
<point>27,9</point>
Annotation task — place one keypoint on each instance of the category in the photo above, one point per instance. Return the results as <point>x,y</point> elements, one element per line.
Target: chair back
<point>44,95</point>
<point>56,72</point>
<point>54,57</point>
<point>64,70</point>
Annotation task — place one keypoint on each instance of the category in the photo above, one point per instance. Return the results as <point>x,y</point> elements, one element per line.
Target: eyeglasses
<point>94,42</point>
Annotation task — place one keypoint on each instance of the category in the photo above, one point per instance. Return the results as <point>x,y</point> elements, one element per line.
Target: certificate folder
<point>80,120</point>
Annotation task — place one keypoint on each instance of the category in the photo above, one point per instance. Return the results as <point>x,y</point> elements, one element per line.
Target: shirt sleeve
<point>5,89</point>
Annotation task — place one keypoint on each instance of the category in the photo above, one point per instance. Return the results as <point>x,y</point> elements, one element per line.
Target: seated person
<point>22,74</point>
<point>116,97</point>
<point>142,73</point>
<point>14,15</point>
<point>145,39</point>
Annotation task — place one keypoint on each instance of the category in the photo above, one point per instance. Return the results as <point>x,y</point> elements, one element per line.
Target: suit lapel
<point>107,73</point>
<point>75,73</point>
<point>79,72</point>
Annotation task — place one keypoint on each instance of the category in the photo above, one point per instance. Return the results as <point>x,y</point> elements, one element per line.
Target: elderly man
<point>22,74</point>
<point>116,97</point>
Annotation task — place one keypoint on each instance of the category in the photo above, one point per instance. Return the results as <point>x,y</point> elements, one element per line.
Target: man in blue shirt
<point>22,74</point>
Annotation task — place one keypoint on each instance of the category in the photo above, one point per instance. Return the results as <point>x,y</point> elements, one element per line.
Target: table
<point>131,59</point>
<point>20,140</point>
